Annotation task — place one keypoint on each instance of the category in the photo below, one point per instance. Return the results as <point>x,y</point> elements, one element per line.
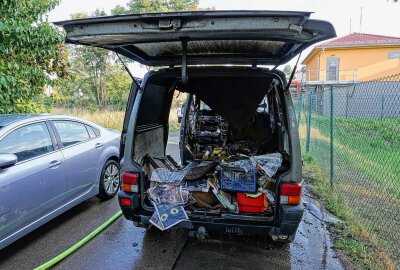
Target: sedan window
<point>96,131</point>
<point>27,142</point>
<point>71,132</point>
<point>92,134</point>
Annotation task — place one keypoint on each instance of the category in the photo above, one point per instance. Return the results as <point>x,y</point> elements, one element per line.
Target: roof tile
<point>360,40</point>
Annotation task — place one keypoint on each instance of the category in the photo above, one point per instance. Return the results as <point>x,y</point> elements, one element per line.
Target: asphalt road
<point>123,246</point>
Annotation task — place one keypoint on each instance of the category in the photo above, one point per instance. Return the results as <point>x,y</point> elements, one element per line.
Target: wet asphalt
<point>123,246</point>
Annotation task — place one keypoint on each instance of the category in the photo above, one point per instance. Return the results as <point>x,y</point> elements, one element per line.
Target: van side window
<point>27,142</point>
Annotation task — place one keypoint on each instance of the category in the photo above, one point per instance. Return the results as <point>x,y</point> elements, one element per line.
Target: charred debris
<point>228,167</point>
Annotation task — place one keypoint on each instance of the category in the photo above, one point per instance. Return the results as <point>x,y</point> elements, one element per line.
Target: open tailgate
<point>211,37</point>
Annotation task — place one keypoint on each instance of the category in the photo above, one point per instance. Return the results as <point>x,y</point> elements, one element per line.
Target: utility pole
<point>350,26</point>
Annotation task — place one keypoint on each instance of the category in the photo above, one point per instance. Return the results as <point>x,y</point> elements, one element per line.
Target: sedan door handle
<point>54,164</point>
<point>98,145</point>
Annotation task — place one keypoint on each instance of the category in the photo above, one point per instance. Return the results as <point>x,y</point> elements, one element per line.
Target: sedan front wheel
<point>109,180</point>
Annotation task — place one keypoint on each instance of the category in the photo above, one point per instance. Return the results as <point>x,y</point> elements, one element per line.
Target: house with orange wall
<point>355,57</point>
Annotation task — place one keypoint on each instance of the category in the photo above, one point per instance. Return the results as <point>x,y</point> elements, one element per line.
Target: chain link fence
<point>353,132</point>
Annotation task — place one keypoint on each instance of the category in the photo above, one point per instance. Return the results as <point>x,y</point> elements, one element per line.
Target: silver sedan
<point>48,164</point>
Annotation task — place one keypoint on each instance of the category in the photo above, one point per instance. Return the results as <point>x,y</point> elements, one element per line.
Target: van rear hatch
<point>211,37</point>
<point>203,38</point>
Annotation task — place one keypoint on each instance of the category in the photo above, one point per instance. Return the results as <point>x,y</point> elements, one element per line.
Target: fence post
<point>382,103</point>
<point>300,106</point>
<point>308,123</point>
<point>331,140</point>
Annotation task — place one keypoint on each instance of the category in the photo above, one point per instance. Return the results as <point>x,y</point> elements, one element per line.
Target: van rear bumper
<point>290,217</point>
<point>220,226</point>
<point>289,220</point>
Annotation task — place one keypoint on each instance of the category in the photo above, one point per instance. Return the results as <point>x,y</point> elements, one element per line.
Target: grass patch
<point>376,142</point>
<point>366,171</point>
<point>322,189</point>
<point>360,249</point>
<point>111,119</point>
<point>104,118</point>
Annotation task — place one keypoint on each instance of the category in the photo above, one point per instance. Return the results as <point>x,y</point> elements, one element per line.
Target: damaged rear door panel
<point>213,37</point>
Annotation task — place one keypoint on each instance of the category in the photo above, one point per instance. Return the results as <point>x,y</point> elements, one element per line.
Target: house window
<point>332,68</point>
<point>394,55</point>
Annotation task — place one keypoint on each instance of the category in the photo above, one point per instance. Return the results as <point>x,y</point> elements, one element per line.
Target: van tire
<point>110,172</point>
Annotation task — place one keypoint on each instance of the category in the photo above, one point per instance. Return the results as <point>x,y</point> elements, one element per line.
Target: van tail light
<point>130,182</point>
<point>290,193</point>
<point>126,202</point>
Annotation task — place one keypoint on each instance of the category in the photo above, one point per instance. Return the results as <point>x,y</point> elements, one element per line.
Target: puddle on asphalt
<point>311,249</point>
<point>134,248</point>
<point>313,246</point>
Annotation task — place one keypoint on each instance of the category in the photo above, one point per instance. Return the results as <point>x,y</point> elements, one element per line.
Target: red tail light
<point>130,182</point>
<point>290,193</point>
<point>125,202</point>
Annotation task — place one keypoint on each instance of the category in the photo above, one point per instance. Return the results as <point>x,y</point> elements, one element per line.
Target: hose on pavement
<point>78,245</point>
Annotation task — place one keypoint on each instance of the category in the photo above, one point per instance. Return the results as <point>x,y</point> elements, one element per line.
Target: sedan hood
<point>211,37</point>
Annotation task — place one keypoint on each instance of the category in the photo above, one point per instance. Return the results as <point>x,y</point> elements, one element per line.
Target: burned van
<point>240,168</point>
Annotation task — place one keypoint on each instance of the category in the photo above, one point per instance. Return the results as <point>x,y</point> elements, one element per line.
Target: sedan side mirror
<point>7,160</point>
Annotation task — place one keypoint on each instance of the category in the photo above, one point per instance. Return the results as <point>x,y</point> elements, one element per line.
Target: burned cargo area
<point>231,154</point>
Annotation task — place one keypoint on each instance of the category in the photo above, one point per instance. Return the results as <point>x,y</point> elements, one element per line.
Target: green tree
<point>117,83</point>
<point>97,79</point>
<point>31,54</point>
<point>88,67</point>
<point>287,70</point>
<point>146,6</point>
<point>119,10</point>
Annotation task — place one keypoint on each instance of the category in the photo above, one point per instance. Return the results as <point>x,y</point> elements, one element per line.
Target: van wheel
<point>110,180</point>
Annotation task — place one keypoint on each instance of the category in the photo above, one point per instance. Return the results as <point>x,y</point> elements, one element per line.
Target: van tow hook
<point>200,234</point>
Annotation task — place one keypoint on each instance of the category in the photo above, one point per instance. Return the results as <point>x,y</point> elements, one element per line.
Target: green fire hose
<point>78,245</point>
